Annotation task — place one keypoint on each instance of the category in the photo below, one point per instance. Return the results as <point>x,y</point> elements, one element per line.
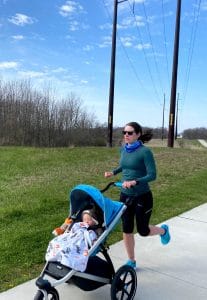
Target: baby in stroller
<point>88,216</point>
<point>85,200</point>
<point>71,247</point>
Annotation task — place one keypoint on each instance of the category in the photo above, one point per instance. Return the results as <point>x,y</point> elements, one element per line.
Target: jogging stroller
<point>100,270</point>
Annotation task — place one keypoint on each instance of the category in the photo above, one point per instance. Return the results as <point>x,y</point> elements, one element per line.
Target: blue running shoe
<point>165,238</point>
<point>131,263</point>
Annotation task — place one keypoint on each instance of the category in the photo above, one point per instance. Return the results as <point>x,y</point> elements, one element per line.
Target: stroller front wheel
<point>52,294</point>
<point>124,284</point>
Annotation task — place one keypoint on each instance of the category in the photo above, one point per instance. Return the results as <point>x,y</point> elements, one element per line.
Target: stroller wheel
<point>124,284</point>
<point>52,294</point>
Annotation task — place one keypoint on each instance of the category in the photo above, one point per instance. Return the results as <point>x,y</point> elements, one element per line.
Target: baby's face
<point>88,220</point>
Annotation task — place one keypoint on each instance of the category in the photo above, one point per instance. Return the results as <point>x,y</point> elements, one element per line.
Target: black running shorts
<point>139,208</point>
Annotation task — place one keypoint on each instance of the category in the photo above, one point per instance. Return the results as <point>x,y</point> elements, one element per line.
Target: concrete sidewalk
<point>177,271</point>
<point>203,143</point>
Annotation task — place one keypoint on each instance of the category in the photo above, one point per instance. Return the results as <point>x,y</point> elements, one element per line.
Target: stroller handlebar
<point>117,184</point>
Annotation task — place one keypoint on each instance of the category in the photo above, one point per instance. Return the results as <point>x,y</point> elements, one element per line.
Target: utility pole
<point>176,123</point>
<point>174,78</point>
<point>112,75</point>
<point>163,118</point>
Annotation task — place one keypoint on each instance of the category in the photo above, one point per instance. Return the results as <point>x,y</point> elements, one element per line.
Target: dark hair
<point>146,137</point>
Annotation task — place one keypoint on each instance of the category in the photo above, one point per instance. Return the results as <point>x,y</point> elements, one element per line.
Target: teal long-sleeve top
<point>138,165</point>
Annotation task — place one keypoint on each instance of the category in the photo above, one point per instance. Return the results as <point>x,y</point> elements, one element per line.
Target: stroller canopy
<point>109,207</point>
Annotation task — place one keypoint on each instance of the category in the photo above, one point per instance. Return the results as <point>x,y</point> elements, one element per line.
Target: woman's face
<point>130,136</point>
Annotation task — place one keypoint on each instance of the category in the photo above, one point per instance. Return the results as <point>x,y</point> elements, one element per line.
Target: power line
<point>126,54</point>
<point>153,50</point>
<point>165,43</point>
<point>144,52</point>
<point>192,44</point>
<point>145,55</point>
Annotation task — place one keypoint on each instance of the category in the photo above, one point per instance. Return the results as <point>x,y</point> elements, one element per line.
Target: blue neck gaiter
<point>132,147</point>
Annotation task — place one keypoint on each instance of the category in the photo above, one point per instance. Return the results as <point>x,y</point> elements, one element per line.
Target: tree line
<point>30,117</point>
<point>195,133</point>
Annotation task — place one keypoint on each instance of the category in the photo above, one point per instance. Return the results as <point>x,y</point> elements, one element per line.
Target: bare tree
<point>35,118</point>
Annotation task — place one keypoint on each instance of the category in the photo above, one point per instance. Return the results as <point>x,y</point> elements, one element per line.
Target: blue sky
<point>67,45</point>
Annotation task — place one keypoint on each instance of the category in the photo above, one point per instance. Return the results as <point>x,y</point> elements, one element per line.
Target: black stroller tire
<point>39,295</point>
<point>52,295</point>
<point>124,284</point>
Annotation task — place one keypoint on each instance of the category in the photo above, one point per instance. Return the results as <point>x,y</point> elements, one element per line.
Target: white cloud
<point>127,41</point>
<point>139,21</point>
<point>105,26</point>
<point>59,70</point>
<point>143,46</point>
<point>139,1</point>
<point>88,48</point>
<point>18,37</point>
<point>84,81</point>
<point>21,20</point>
<point>129,22</point>
<point>74,25</point>
<point>31,74</point>
<point>106,42</point>
<point>69,8</point>
<point>9,65</point>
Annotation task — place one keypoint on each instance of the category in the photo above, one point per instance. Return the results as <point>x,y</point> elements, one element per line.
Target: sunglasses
<point>127,132</point>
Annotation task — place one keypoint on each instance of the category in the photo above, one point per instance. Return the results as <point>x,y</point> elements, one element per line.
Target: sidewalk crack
<point>191,219</point>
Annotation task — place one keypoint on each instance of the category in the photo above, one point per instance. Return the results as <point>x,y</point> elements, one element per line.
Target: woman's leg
<point>129,245</point>
<point>163,231</point>
<point>128,226</point>
<point>143,214</point>
<point>155,230</point>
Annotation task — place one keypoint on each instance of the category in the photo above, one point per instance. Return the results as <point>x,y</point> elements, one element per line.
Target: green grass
<point>34,188</point>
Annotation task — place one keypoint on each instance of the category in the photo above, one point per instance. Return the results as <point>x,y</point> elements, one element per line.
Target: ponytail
<point>146,137</point>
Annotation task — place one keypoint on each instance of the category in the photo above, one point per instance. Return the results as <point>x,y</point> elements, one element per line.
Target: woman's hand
<point>108,174</point>
<point>129,184</point>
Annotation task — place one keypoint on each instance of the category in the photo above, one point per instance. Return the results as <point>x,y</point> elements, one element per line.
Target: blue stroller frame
<point>123,282</point>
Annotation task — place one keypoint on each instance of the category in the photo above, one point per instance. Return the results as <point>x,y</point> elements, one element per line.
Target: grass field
<point>34,189</point>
